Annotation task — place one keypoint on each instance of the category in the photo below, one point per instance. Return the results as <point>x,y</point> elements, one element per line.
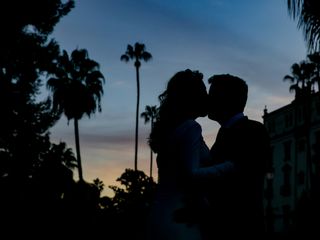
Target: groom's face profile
<point>216,104</point>
<point>227,97</point>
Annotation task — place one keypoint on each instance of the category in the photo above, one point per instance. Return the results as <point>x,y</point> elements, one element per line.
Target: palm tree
<point>60,154</point>
<point>149,115</point>
<point>136,53</point>
<point>308,15</point>
<point>300,78</point>
<point>76,90</point>
<point>314,58</point>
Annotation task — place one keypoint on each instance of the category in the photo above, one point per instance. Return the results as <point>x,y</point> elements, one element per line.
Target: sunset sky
<point>253,39</point>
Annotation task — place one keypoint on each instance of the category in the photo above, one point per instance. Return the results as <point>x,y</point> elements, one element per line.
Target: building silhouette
<point>293,173</point>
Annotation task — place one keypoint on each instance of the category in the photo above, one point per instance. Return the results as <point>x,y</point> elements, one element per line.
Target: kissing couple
<point>204,193</point>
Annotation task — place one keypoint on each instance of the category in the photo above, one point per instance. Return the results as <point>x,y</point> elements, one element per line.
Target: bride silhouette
<point>177,140</point>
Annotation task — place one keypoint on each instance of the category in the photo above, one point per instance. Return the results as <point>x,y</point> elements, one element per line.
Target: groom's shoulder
<point>250,125</point>
<point>247,122</point>
<point>253,127</point>
<point>255,123</point>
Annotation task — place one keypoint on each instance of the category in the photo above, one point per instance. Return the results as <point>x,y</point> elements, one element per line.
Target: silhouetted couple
<point>206,193</point>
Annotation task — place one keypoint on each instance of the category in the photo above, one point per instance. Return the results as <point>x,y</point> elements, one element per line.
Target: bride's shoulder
<point>188,126</point>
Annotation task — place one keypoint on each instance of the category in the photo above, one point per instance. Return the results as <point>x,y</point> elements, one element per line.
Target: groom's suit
<point>236,198</point>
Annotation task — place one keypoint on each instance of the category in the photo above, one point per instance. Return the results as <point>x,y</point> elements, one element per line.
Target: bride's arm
<point>192,147</point>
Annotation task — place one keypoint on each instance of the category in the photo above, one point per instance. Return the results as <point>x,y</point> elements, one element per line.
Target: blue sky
<point>255,40</point>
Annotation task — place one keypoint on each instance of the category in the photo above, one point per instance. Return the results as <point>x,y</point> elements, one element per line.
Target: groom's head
<point>227,96</point>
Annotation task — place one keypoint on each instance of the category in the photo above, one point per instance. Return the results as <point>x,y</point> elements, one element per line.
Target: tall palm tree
<point>77,90</point>
<point>149,115</point>
<point>137,53</point>
<point>308,15</point>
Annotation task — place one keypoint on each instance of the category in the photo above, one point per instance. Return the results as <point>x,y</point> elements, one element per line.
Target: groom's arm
<point>215,171</point>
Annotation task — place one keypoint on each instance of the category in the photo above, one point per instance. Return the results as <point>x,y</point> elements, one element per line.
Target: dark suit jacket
<point>237,197</point>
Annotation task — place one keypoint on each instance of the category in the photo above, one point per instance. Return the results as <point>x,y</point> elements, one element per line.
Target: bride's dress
<point>184,150</point>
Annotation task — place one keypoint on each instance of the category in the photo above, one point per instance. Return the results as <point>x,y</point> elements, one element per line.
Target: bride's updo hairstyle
<point>184,98</point>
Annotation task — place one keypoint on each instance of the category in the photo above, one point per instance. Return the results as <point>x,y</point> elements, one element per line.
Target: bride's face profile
<point>201,99</point>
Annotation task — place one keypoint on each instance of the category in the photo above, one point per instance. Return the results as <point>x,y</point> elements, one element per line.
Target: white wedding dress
<point>184,151</point>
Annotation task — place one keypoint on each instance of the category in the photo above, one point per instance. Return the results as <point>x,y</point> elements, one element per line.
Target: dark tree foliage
<point>306,12</point>
<point>137,190</point>
<point>27,58</point>
<point>129,206</point>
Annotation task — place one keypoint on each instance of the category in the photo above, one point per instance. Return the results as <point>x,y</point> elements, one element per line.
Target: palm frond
<point>139,48</point>
<point>146,56</point>
<point>289,78</point>
<point>294,88</point>
<point>145,116</point>
<point>124,58</point>
<point>294,7</point>
<point>308,15</point>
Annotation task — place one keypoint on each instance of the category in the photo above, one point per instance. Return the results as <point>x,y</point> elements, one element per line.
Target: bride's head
<point>184,98</point>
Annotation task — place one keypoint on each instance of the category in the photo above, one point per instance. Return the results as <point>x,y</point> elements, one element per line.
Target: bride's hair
<point>180,101</point>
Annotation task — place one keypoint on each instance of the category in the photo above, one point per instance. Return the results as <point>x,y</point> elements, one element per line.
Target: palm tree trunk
<point>151,155</point>
<point>151,162</point>
<point>307,112</point>
<point>76,133</point>
<point>137,120</point>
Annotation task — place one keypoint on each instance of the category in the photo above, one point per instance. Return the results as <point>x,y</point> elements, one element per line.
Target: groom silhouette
<point>240,152</point>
